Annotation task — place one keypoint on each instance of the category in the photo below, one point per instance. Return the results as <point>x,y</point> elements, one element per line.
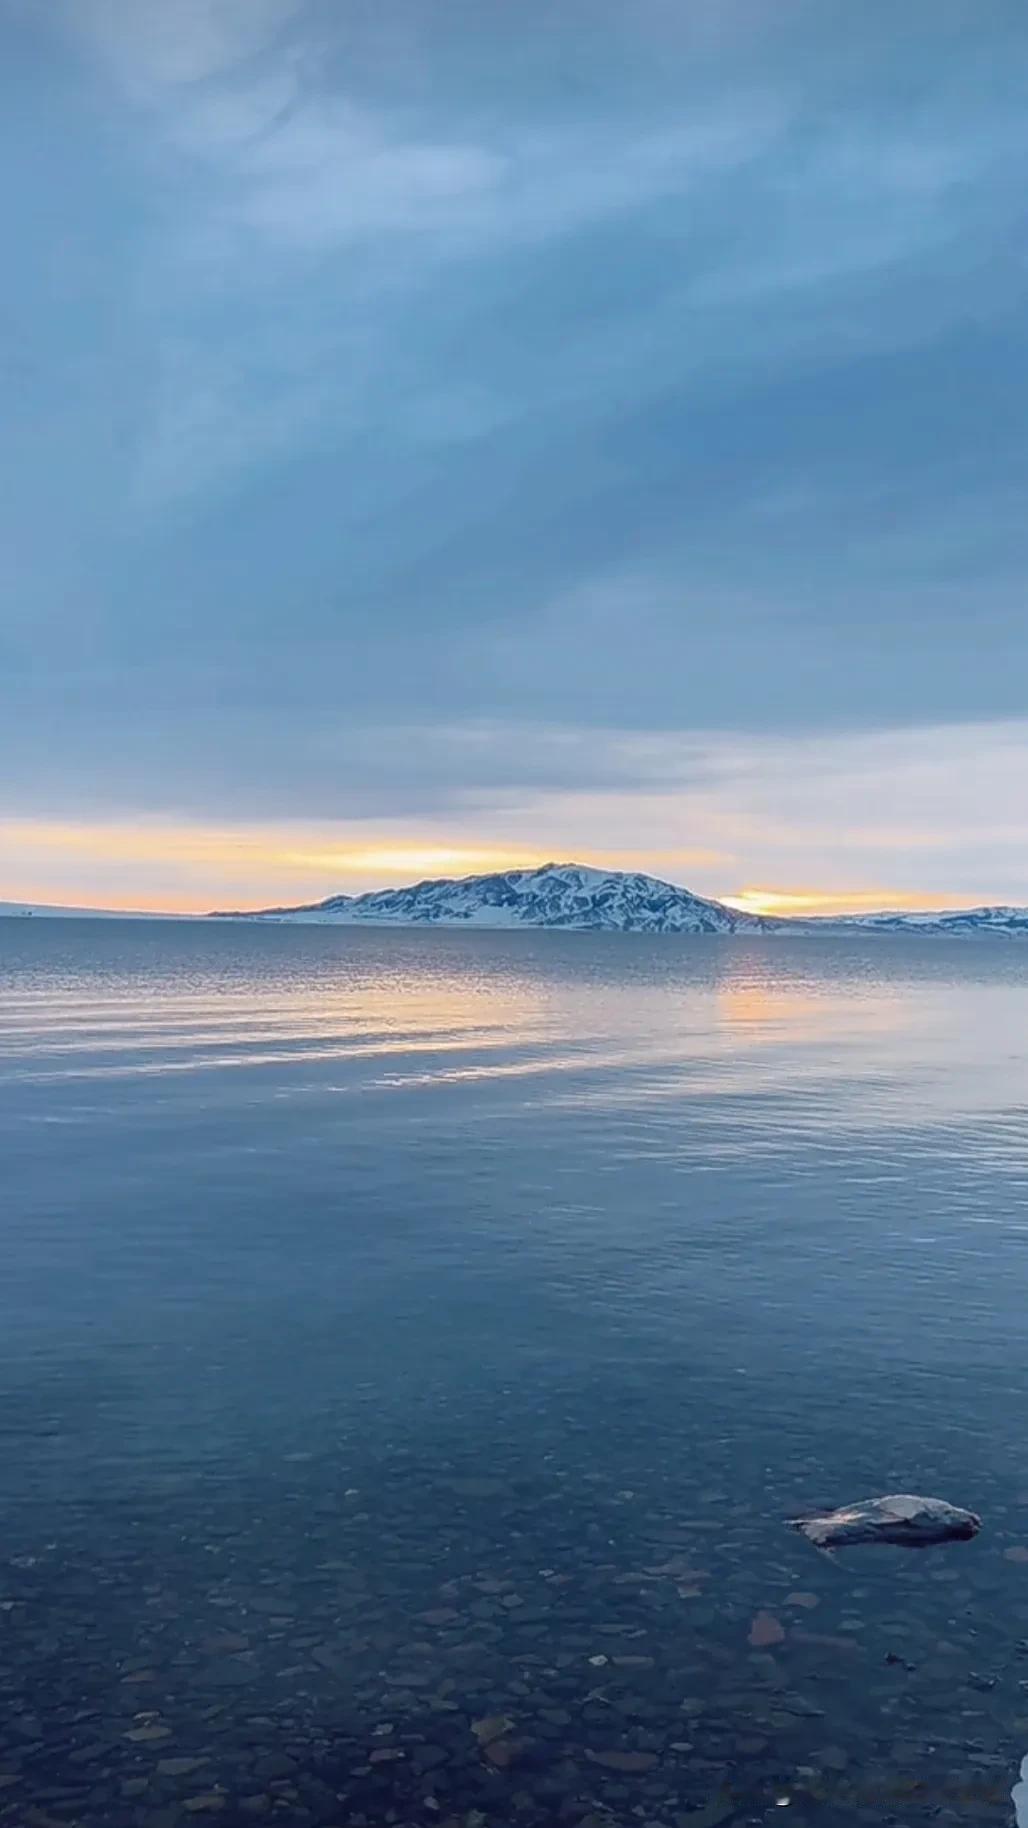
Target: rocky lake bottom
<point>413,1347</point>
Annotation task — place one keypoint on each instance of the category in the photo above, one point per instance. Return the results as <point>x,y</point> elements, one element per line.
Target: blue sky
<point>466,432</point>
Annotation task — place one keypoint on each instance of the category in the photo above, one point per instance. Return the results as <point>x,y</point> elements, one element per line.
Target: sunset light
<point>513,912</point>
<point>171,866</point>
<point>802,903</point>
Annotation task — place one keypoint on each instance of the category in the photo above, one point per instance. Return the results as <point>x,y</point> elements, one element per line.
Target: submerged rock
<point>624,1761</point>
<point>765,1630</point>
<point>494,1726</point>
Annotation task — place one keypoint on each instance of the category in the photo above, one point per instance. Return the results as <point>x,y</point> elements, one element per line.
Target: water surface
<point>408,1332</point>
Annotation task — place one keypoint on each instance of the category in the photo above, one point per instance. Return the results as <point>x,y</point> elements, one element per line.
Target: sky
<point>438,437</point>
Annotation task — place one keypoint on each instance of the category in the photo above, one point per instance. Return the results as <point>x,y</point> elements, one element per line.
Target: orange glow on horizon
<point>408,860</point>
<point>175,867</point>
<point>252,864</point>
<point>121,866</point>
<point>812,902</point>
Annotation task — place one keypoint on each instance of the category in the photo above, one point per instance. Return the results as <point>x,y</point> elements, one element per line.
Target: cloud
<point>314,166</point>
<point>909,818</point>
<point>457,414</point>
<point>152,47</point>
<point>778,216</point>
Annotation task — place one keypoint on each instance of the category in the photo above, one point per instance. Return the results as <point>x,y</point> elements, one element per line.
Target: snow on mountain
<point>1008,921</point>
<point>567,895</point>
<point>27,910</point>
<point>334,908</point>
<point>576,897</point>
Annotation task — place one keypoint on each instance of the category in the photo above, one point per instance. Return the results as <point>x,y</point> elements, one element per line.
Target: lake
<point>412,1344</point>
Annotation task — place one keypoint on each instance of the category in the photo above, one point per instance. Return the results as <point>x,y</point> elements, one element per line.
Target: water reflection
<point>411,1344</point>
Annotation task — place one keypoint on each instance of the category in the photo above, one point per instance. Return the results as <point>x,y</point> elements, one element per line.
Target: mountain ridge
<point>574,896</point>
<point>578,897</point>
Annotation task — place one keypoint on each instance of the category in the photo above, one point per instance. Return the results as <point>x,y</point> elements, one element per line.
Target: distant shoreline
<point>563,897</point>
<point>816,929</point>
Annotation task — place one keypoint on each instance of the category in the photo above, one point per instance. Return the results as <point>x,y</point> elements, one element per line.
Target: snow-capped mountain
<point>1009,921</point>
<point>29,910</point>
<point>576,897</point>
<point>554,895</point>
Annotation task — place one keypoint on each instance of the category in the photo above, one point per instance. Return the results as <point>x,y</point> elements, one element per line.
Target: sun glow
<point>408,860</point>
<point>169,866</point>
<point>163,866</point>
<point>804,903</point>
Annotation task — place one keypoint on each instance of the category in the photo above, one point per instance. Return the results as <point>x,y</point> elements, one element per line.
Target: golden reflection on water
<point>129,1029</point>
<point>878,1029</point>
<point>764,1012</point>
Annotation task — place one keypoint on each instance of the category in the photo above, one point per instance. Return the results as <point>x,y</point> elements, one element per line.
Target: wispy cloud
<point>240,87</point>
<point>152,48</point>
<point>910,818</point>
<point>300,163</point>
<point>449,417</point>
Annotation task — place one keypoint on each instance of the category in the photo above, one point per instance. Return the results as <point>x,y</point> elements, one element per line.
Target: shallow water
<point>407,1331</point>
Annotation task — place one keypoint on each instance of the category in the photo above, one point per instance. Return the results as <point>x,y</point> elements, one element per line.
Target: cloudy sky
<point>442,435</point>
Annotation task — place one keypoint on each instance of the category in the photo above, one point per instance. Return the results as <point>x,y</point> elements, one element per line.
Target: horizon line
<point>800,904</point>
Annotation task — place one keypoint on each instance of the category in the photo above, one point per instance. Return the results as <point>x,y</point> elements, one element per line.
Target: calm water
<point>413,1333</point>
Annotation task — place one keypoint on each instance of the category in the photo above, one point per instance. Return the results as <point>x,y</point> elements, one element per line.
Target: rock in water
<point>907,1521</point>
<point>1019,1796</point>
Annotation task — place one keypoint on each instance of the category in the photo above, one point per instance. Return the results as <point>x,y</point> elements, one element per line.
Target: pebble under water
<point>412,1346</point>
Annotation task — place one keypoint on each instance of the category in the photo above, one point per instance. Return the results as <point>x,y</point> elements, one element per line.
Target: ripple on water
<point>411,1345</point>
